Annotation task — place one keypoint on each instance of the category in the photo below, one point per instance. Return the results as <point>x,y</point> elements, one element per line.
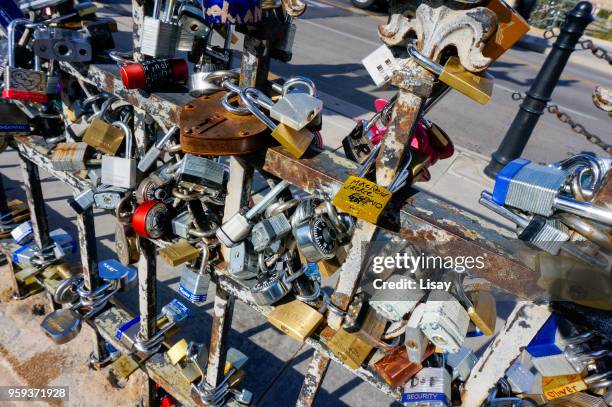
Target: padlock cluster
<point>171,187</point>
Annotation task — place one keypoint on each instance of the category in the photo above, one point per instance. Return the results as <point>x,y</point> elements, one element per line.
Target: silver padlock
<point>380,64</point>
<point>194,283</point>
<point>574,360</point>
<point>415,340</point>
<point>181,224</point>
<point>546,234</point>
<point>537,189</point>
<point>243,263</point>
<point>192,20</point>
<point>430,387</point>
<point>461,363</point>
<point>389,306</point>
<point>445,321</point>
<point>297,109</point>
<point>117,171</point>
<point>521,378</point>
<point>154,152</point>
<point>20,83</point>
<point>82,201</point>
<point>159,33</point>
<point>268,230</point>
<point>202,171</point>
<point>315,235</point>
<point>237,228</point>
<point>61,44</point>
<point>108,197</point>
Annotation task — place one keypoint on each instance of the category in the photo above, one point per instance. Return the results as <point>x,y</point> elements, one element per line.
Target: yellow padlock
<point>362,198</point>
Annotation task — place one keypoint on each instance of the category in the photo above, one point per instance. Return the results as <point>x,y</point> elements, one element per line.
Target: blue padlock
<point>111,270</point>
<point>232,11</point>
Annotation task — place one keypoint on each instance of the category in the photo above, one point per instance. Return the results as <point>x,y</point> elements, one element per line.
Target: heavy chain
<point>575,126</point>
<point>584,44</point>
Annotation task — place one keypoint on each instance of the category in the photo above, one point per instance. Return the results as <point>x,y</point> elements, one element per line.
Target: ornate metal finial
<point>436,28</point>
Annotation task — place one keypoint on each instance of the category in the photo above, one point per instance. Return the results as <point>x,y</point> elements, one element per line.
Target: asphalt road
<point>333,37</point>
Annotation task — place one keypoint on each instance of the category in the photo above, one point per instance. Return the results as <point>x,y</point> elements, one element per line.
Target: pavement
<point>277,363</point>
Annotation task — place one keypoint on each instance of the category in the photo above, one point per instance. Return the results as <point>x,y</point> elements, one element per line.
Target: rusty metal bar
<point>222,322</point>
<point>422,220</point>
<point>521,326</point>
<point>36,203</point>
<point>313,380</point>
<point>89,260</point>
<point>147,302</point>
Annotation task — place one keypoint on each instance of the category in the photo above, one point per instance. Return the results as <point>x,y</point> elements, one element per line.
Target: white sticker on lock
<point>380,64</point>
<point>117,171</point>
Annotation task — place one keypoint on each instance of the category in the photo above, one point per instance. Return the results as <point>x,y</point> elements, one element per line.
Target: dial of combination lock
<point>317,239</point>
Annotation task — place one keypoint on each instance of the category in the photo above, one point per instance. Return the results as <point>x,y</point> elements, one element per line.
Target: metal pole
<point>539,93</point>
<point>3,198</point>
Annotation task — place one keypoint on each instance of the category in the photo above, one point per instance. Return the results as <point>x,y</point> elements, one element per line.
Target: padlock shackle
<point>486,200</point>
<point>122,57</point>
<point>11,39</point>
<point>128,137</point>
<point>299,80</point>
<point>423,61</point>
<point>584,209</point>
<point>160,144</point>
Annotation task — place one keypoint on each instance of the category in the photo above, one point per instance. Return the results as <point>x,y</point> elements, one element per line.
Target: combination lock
<point>151,219</point>
<point>315,235</point>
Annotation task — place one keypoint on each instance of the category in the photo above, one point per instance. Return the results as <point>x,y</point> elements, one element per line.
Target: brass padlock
<point>483,312</point>
<point>510,28</point>
<point>103,136</point>
<point>179,253</point>
<point>124,366</point>
<point>296,319</point>
<point>178,351</point>
<point>477,87</point>
<point>372,328</point>
<point>349,348</point>
<point>208,129</point>
<point>69,157</point>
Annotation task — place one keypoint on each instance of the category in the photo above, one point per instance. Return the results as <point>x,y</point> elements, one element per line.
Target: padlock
<point>521,378</point>
<point>178,351</point>
<point>477,87</point>
<point>243,262</point>
<point>192,21</point>
<point>61,243</point>
<point>61,44</point>
<point>537,189</point>
<point>356,313</point>
<point>297,109</point>
<point>444,321</point>
<point>365,199</point>
<point>151,219</point>
<point>546,234</point>
<point>349,348</point>
<point>112,270</point>
<point>315,235</point>
<point>295,141</point>
<point>154,152</point>
<point>201,171</point>
<point>237,228</point>
<point>270,288</point>
<point>573,360</point>
<point>23,233</point>
<point>556,387</point>
<point>232,11</point>
<point>372,328</point>
<point>392,306</point>
<point>69,157</point>
<point>414,339</point>
<point>20,83</point>
<point>13,122</point>
<point>181,224</point>
<point>295,319</point>
<point>268,230</point>
<point>106,197</point>
<point>554,336</point>
<point>82,201</point>
<point>159,33</point>
<point>510,28</point>
<point>126,244</point>
<point>461,363</point>
<point>430,387</point>
<point>396,369</point>
<point>153,74</point>
<point>581,399</point>
<point>120,171</point>
<point>62,325</point>
<point>104,136</point>
<point>380,64</point>
<point>194,284</point>
<point>357,145</point>
<point>208,129</point>
<point>178,253</point>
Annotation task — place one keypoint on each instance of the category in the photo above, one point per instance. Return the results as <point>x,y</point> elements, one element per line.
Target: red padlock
<point>151,219</point>
<point>153,73</point>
